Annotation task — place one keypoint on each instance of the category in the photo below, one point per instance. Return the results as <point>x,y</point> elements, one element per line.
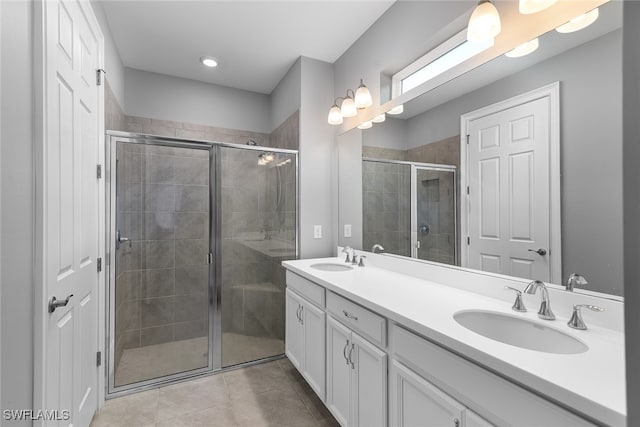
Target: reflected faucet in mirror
<point>377,248</point>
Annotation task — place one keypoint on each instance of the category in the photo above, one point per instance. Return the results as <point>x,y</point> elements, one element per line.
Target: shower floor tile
<point>269,394</point>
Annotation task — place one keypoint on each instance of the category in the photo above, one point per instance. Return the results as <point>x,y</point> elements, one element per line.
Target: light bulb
<point>528,7</point>
<point>335,116</point>
<point>365,125</point>
<point>523,49</point>
<point>379,119</point>
<point>396,110</point>
<point>363,96</point>
<point>484,23</point>
<point>579,22</point>
<point>348,108</point>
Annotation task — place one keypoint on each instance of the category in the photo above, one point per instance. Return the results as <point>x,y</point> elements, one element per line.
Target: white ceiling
<point>256,42</point>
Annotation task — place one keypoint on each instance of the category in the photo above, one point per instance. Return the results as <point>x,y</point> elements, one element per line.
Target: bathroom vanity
<point>391,343</point>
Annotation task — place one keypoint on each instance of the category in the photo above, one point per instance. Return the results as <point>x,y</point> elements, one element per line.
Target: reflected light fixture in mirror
<point>579,22</point>
<point>528,7</point>
<point>379,119</point>
<point>524,49</point>
<point>396,110</point>
<point>365,125</point>
<point>484,23</point>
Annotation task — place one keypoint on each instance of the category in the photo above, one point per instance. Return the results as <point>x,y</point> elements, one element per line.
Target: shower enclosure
<point>410,209</point>
<point>198,232</point>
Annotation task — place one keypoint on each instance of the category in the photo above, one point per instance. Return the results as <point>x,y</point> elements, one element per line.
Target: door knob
<point>55,303</point>
<point>538,251</point>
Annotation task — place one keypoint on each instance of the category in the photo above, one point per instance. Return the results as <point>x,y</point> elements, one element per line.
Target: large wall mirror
<point>403,182</point>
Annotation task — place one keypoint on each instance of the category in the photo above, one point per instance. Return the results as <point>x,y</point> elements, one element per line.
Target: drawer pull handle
<point>349,315</point>
<point>344,352</point>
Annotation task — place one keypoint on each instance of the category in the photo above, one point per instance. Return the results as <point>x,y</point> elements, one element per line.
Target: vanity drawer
<point>306,288</point>
<point>358,318</point>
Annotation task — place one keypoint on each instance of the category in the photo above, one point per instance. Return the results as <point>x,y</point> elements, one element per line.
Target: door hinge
<point>468,139</point>
<point>209,258</point>
<point>99,262</point>
<point>99,171</point>
<point>99,358</point>
<point>467,189</point>
<point>99,73</point>
<point>468,240</point>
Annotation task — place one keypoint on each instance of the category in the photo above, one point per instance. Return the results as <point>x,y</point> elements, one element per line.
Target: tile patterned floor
<point>270,394</point>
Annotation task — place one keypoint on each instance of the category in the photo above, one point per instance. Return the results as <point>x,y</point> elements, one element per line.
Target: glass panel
<point>387,206</point>
<point>162,275</point>
<point>259,232</point>
<point>435,203</point>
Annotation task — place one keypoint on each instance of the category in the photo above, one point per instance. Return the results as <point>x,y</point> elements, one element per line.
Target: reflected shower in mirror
<point>587,67</point>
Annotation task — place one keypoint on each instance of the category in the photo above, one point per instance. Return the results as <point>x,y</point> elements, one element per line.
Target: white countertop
<point>593,382</point>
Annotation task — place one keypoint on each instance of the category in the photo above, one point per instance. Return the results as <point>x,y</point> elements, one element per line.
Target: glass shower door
<point>434,223</point>
<point>160,295</point>
<point>258,214</point>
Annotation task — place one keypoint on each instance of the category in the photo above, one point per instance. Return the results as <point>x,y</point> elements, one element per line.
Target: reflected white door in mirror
<point>511,176</point>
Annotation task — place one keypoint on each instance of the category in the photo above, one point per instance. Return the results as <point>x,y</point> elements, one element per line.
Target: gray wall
<point>112,62</point>
<point>316,159</point>
<point>285,98</point>
<point>631,151</point>
<point>16,200</point>
<point>164,97</point>
<point>591,150</point>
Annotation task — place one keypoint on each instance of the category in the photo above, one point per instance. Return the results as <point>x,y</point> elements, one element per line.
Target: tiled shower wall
<point>161,274</point>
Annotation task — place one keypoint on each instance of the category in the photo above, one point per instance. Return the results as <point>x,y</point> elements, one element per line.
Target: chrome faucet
<point>575,279</point>
<point>377,248</point>
<point>346,250</point>
<point>545,306</point>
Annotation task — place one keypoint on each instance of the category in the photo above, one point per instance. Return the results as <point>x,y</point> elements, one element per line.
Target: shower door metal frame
<point>215,257</point>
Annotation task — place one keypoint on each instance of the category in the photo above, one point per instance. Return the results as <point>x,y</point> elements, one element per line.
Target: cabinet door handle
<point>349,315</point>
<point>344,352</point>
<point>301,314</point>
<point>353,366</point>
<point>298,313</point>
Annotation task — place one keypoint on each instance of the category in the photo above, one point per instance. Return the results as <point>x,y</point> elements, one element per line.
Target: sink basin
<point>519,332</point>
<point>329,266</point>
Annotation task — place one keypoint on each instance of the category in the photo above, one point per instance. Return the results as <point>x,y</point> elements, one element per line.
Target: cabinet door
<point>471,419</point>
<point>416,402</point>
<point>338,371</point>
<point>369,383</point>
<point>313,367</point>
<point>294,330</point>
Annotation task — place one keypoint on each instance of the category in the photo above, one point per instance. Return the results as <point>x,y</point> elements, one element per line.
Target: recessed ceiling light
<point>209,61</point>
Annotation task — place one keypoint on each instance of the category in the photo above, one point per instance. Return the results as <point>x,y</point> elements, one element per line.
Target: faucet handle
<point>518,305</point>
<point>354,259</point>
<point>576,321</point>
<point>361,263</point>
<point>346,250</point>
<point>575,279</point>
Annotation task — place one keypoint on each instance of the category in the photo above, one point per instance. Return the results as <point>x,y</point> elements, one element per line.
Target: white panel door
<point>369,383</point>
<point>313,369</point>
<point>70,191</point>
<point>509,203</point>
<point>338,371</point>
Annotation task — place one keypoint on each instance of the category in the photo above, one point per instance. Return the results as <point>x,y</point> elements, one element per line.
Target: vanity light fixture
<point>365,125</point>
<point>579,22</point>
<point>350,104</point>
<point>528,7</point>
<point>379,119</point>
<point>484,23</point>
<point>396,110</point>
<point>524,49</point>
<point>209,61</point>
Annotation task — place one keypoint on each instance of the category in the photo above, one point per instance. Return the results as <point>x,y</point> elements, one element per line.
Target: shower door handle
<point>121,239</point>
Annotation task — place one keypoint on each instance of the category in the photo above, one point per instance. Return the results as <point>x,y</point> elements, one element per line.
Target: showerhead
<point>266,158</point>
<point>251,142</point>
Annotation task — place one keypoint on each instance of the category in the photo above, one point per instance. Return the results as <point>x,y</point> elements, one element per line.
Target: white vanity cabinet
<point>356,378</point>
<point>304,341</point>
